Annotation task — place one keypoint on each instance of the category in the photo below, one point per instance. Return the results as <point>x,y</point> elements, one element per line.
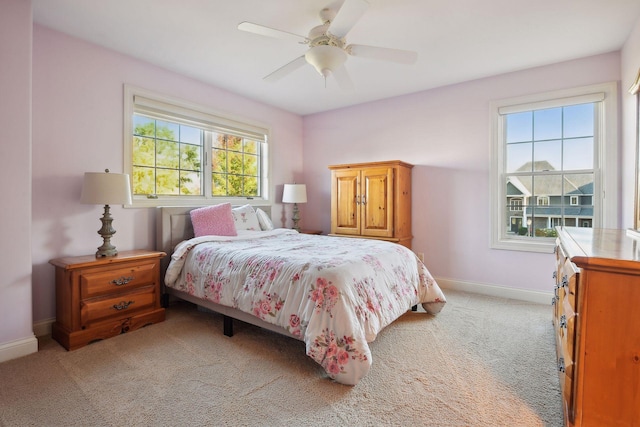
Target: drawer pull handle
<point>122,280</point>
<point>123,305</point>
<point>563,321</point>
<point>565,281</point>
<point>561,367</point>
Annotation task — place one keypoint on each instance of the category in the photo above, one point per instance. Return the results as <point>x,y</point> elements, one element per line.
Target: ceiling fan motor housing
<point>319,36</point>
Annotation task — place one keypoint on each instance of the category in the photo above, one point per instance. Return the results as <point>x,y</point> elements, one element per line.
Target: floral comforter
<point>334,293</point>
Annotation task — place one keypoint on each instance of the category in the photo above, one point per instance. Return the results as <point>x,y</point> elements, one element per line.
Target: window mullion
<point>208,160</point>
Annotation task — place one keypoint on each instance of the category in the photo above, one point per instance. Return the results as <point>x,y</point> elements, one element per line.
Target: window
<point>543,200</point>
<point>516,204</point>
<point>551,150</point>
<point>182,154</point>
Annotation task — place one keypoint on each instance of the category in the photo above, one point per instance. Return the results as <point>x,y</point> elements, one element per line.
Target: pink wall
<point>446,134</point>
<point>15,173</point>
<point>77,127</point>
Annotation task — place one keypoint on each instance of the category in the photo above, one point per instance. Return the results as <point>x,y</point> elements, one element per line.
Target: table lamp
<point>295,193</point>
<point>106,189</point>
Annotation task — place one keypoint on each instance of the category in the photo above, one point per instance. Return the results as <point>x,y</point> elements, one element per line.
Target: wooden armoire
<point>372,200</point>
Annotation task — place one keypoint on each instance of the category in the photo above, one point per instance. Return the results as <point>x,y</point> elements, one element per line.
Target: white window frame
<point>542,200</point>
<point>605,158</point>
<point>198,113</point>
<point>574,200</point>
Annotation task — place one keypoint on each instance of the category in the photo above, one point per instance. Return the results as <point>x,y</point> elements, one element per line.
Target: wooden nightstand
<point>311,231</point>
<point>98,298</point>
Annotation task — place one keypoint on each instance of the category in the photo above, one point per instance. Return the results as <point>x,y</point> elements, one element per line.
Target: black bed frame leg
<point>228,326</point>
<point>414,308</point>
<point>164,300</point>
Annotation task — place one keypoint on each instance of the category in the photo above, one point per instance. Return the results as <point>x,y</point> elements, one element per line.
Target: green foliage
<point>546,232</point>
<point>167,161</point>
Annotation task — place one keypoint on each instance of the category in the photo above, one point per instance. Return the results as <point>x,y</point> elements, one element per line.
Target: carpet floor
<point>482,361</point>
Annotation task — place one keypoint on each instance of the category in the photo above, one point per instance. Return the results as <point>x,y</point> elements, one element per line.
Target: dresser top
<point>601,246</point>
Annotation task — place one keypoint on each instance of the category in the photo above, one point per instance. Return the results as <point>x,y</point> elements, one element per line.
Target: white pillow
<point>245,218</point>
<point>265,222</point>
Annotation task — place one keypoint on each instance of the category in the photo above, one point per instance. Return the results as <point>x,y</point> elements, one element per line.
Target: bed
<point>334,293</point>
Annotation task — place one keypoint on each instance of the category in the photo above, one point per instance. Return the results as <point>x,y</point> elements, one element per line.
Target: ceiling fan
<point>328,49</point>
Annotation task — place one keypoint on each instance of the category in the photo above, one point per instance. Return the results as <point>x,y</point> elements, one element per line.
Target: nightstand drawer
<point>125,305</point>
<point>117,280</point>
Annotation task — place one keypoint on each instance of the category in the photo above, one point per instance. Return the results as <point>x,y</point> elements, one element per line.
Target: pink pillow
<point>214,220</point>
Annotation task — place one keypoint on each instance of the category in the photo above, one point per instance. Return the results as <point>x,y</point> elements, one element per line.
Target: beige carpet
<point>480,362</point>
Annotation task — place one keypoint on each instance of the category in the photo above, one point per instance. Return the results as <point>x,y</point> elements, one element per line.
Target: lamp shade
<point>104,188</point>
<point>294,193</point>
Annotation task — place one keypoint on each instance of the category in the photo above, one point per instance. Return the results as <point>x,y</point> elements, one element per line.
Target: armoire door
<point>376,202</point>
<point>345,202</point>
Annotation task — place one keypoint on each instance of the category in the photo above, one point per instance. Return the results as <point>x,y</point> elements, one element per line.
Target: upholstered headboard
<point>173,225</point>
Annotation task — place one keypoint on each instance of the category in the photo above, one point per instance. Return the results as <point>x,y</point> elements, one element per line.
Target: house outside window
<point>551,151</point>
<point>185,155</point>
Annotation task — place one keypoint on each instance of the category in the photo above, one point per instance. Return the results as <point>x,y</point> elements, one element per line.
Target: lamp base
<point>107,249</point>
<point>296,217</point>
<point>106,252</point>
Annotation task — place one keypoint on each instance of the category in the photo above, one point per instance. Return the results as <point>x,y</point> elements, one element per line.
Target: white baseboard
<point>18,348</point>
<point>538,297</point>
<point>43,327</point>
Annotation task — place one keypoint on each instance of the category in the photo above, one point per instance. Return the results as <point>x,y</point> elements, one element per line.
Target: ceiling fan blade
<point>383,53</point>
<point>342,77</point>
<point>286,69</point>
<point>350,12</point>
<point>250,27</point>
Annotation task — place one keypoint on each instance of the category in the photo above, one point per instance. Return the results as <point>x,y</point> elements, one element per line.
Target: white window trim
<point>574,201</point>
<point>150,97</point>
<point>605,184</point>
<point>542,200</point>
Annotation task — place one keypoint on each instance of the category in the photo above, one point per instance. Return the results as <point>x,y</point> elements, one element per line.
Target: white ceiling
<point>456,40</point>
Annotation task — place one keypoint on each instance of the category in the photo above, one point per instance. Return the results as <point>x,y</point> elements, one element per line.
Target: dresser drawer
<point>567,394</point>
<point>561,258</point>
<point>120,306</point>
<point>567,337</point>
<point>565,374</point>
<point>122,279</point>
<point>570,275</point>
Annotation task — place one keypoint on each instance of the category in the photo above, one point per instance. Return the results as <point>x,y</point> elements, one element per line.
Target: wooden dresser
<point>597,324</point>
<point>372,200</point>
<point>97,298</point>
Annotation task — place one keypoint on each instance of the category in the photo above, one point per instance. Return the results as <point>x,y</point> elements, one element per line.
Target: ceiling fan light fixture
<point>326,59</point>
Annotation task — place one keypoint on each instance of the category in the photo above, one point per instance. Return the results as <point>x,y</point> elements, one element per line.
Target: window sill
<point>546,246</point>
